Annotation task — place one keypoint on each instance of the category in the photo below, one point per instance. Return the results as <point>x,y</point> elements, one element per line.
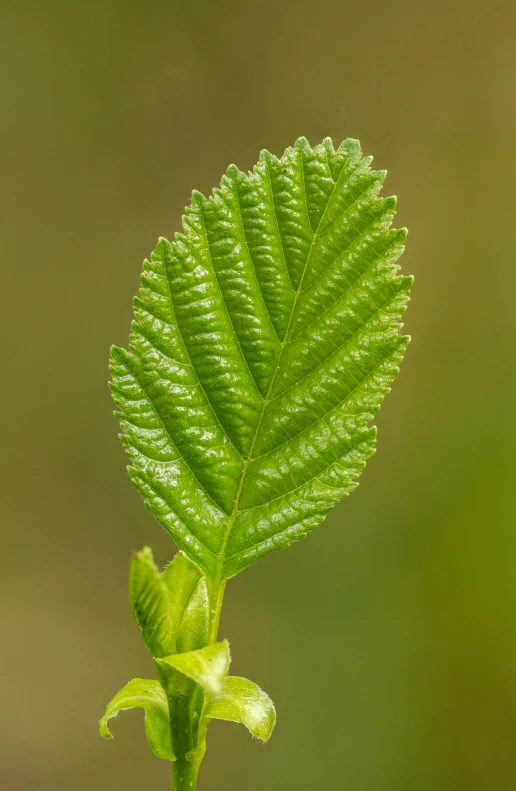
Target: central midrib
<point>249,459</point>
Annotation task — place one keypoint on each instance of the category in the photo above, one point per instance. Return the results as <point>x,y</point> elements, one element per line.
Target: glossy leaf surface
<point>150,696</point>
<point>265,338</point>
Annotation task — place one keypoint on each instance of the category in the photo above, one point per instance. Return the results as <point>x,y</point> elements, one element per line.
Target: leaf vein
<point>208,249</point>
<point>358,383</point>
<point>167,433</point>
<point>251,259</point>
<point>384,304</point>
<point>185,347</point>
<point>350,286</point>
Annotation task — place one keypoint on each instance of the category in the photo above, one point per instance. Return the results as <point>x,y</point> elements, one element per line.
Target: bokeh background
<point>387,638</point>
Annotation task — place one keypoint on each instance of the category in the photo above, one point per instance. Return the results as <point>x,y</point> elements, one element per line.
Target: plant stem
<point>185,713</point>
<point>216,598</point>
<point>183,724</point>
<point>184,775</point>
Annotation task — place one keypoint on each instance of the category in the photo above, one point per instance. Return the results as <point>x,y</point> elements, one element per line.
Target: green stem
<point>184,775</point>
<point>185,713</point>
<point>184,718</point>
<point>216,598</point>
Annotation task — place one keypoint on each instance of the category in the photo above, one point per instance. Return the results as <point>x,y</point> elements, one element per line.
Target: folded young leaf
<point>150,696</point>
<point>171,609</point>
<point>181,578</point>
<point>266,337</point>
<point>149,600</point>
<point>207,667</point>
<point>195,623</point>
<point>240,700</point>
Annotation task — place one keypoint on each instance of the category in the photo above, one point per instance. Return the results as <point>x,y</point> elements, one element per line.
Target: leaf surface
<point>241,700</point>
<point>207,667</point>
<point>165,604</point>
<point>265,338</point>
<point>194,628</point>
<point>150,696</point>
<point>148,596</point>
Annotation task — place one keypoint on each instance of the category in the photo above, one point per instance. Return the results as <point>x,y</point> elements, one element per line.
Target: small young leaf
<point>265,340</point>
<point>207,667</point>
<point>195,623</point>
<point>240,700</point>
<point>171,609</point>
<point>150,696</point>
<point>180,578</point>
<point>149,600</point>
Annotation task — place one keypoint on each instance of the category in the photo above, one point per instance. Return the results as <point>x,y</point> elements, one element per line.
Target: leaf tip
<point>266,156</point>
<point>302,144</point>
<point>233,172</point>
<point>390,203</point>
<point>117,353</point>
<point>197,198</point>
<point>145,555</point>
<point>162,250</point>
<point>400,235</point>
<point>351,146</point>
<point>104,730</point>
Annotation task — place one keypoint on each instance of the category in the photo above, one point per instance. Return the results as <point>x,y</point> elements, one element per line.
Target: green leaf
<point>149,600</point>
<point>150,696</point>
<point>207,667</point>
<point>265,338</point>
<point>162,603</point>
<point>240,700</point>
<point>195,623</point>
<point>181,578</point>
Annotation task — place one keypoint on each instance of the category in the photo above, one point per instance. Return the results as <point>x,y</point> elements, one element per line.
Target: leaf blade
<point>150,696</point>
<point>181,578</point>
<point>150,604</point>
<point>242,701</point>
<point>283,298</point>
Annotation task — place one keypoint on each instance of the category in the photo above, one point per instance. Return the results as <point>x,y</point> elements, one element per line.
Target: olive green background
<point>387,639</point>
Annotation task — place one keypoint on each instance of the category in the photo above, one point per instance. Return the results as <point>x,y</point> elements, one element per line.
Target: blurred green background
<point>387,639</point>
